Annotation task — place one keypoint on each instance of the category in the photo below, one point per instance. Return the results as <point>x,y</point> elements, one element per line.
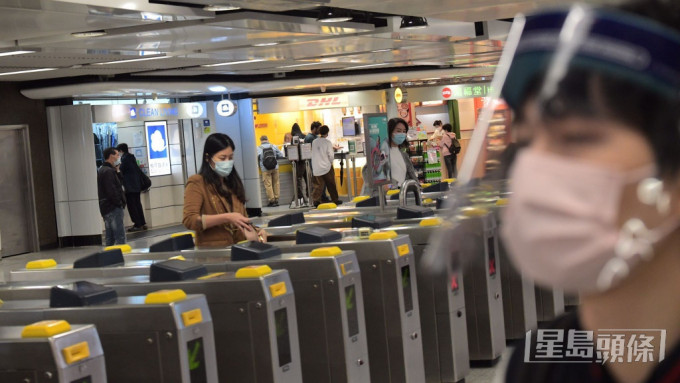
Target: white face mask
<point>561,223</point>
<point>224,168</point>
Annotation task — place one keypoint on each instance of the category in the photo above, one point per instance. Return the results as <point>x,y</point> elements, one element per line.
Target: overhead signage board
<point>158,151</point>
<point>148,112</point>
<point>323,101</point>
<point>451,92</point>
<point>226,108</point>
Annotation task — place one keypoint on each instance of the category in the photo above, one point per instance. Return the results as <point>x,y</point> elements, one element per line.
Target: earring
<point>651,192</point>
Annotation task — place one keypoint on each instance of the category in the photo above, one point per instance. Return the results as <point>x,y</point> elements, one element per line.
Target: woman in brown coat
<point>214,199</point>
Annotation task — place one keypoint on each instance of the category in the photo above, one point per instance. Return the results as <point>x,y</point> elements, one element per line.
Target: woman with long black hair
<point>401,168</point>
<point>214,199</point>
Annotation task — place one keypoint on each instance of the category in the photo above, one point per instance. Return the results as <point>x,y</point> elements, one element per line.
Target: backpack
<point>269,158</point>
<point>455,145</point>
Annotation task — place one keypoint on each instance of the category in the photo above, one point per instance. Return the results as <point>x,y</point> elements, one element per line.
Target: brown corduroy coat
<point>202,199</point>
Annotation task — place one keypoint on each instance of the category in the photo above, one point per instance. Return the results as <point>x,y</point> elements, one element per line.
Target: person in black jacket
<point>111,197</point>
<point>133,188</point>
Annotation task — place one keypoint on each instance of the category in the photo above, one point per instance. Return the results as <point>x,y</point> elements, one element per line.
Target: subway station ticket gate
<point>441,308</point>
<point>51,351</point>
<point>389,286</point>
<point>330,309</point>
<point>164,337</point>
<point>255,319</point>
<point>483,293</point>
<point>328,294</point>
<point>549,303</point>
<point>519,297</point>
<point>483,304</point>
<point>392,309</point>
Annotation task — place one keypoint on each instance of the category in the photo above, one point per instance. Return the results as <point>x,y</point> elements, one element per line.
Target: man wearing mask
<point>111,197</point>
<point>133,188</point>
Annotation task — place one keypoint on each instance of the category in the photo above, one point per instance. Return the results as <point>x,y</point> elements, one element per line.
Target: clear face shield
<point>535,75</point>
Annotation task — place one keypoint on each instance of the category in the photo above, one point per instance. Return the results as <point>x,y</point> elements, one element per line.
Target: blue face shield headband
<point>641,51</point>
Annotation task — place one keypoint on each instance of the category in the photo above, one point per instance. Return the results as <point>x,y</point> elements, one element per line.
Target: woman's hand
<point>251,234</point>
<point>262,235</point>
<point>238,220</point>
<point>255,234</point>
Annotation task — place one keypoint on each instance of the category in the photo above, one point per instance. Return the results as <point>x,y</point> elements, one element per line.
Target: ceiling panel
<point>253,43</point>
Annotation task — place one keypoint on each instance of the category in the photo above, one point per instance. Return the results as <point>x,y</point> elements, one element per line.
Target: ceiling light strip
<point>132,60</point>
<point>27,71</point>
<point>234,63</point>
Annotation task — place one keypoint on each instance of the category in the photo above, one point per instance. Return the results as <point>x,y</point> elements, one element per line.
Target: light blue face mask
<point>399,138</point>
<point>117,162</point>
<point>223,168</point>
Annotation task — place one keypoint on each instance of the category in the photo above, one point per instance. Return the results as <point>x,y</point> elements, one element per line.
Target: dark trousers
<point>327,180</point>
<point>451,165</point>
<point>134,205</point>
<point>301,174</point>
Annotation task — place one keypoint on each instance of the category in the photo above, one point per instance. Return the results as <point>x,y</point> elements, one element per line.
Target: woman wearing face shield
<point>214,199</point>
<point>595,197</point>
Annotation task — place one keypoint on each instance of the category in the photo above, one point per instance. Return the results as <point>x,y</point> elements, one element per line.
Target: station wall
<point>18,109</point>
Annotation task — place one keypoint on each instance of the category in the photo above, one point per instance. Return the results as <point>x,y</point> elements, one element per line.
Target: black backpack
<point>269,158</point>
<point>455,146</point>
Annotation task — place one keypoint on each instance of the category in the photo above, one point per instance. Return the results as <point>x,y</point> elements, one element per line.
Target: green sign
<point>466,91</point>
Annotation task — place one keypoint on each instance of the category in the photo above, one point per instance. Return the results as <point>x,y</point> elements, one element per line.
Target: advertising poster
<point>378,149</point>
<point>158,152</point>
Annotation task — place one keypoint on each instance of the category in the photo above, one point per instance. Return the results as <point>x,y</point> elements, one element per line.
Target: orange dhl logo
<point>323,101</point>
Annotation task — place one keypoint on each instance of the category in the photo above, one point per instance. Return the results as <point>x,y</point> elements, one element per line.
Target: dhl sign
<point>324,102</point>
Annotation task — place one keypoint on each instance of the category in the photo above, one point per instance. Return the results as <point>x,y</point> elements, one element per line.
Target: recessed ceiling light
<point>27,71</point>
<point>97,33</point>
<point>17,52</point>
<point>333,15</point>
<point>266,44</point>
<point>382,50</point>
<point>220,8</point>
<point>412,22</point>
<point>217,88</point>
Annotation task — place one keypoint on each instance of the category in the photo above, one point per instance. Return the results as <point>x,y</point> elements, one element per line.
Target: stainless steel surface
<point>443,314</point>
<point>410,185</point>
<point>549,303</point>
<point>320,285</point>
<point>66,272</point>
<point>243,312</point>
<point>324,287</point>
<point>134,335</point>
<point>519,297</point>
<point>483,293</point>
<point>18,224</point>
<point>572,300</point>
<point>392,309</point>
<point>26,359</point>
